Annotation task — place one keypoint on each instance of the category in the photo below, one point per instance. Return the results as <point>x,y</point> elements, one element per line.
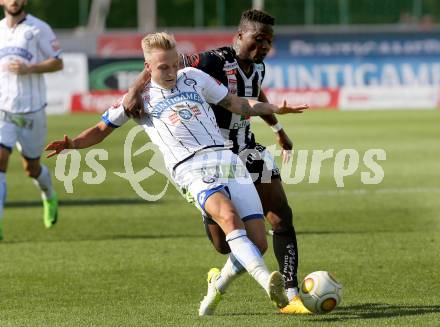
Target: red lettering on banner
<point>319,98</point>
<point>96,101</point>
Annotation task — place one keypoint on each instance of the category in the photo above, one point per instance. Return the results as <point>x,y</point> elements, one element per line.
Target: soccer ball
<point>320,292</point>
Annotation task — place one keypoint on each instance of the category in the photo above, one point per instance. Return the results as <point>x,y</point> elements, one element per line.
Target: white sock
<point>291,293</point>
<point>44,183</point>
<point>248,256</point>
<point>2,194</point>
<point>231,270</point>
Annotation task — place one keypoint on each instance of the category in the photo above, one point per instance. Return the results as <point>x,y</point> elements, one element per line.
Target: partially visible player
<point>240,67</point>
<point>179,120</point>
<point>28,48</point>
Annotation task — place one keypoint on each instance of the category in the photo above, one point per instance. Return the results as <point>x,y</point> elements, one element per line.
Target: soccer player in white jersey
<point>28,48</point>
<point>180,121</point>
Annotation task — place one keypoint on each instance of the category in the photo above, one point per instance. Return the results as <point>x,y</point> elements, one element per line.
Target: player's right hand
<point>58,146</point>
<point>285,109</point>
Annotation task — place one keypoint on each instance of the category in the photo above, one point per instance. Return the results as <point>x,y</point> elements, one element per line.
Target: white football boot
<point>213,296</point>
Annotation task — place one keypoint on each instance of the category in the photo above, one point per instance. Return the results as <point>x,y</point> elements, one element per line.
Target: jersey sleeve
<point>48,43</point>
<point>211,62</point>
<point>212,89</point>
<point>115,116</point>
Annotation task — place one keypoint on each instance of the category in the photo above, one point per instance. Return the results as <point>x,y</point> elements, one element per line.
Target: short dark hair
<point>256,16</point>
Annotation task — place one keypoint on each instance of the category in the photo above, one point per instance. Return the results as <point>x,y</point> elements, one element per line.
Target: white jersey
<point>179,121</point>
<point>30,41</point>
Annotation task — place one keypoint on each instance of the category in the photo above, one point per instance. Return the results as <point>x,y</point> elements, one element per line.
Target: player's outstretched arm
<point>85,139</point>
<point>133,104</point>
<point>245,107</point>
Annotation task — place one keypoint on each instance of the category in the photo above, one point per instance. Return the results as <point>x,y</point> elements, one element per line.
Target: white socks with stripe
<point>231,270</point>
<point>44,183</point>
<point>248,255</point>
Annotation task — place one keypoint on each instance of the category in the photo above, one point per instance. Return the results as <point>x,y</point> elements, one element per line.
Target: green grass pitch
<point>115,260</point>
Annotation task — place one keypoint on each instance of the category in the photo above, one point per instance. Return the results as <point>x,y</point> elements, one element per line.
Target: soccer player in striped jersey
<point>28,48</point>
<point>179,120</point>
<point>241,69</point>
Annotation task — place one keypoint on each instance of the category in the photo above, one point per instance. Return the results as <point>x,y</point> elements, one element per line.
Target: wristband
<point>277,127</point>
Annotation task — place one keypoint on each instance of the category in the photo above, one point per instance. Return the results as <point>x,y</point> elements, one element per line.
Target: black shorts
<point>260,164</point>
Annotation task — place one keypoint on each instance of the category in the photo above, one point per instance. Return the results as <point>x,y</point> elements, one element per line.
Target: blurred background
<point>338,54</point>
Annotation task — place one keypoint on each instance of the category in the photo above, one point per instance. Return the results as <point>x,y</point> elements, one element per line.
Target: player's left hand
<point>286,145</point>
<point>18,67</point>
<point>285,109</point>
<point>58,146</point>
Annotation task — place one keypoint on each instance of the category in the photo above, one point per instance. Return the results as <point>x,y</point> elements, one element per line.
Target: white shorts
<point>27,131</point>
<point>211,171</point>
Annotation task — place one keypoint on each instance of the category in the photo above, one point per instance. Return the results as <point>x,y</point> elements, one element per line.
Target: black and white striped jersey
<point>30,41</point>
<point>180,121</point>
<point>222,64</point>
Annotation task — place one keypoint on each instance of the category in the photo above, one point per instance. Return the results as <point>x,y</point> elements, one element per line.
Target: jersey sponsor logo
<point>209,179</point>
<point>183,113</point>
<point>259,67</point>
<point>230,66</point>
<point>232,84</point>
<point>174,100</point>
<point>241,124</point>
<point>16,51</point>
<point>190,82</point>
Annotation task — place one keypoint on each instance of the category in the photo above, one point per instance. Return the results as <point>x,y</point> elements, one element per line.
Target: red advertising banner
<point>129,45</point>
<point>320,98</point>
<point>99,101</point>
<point>95,101</point>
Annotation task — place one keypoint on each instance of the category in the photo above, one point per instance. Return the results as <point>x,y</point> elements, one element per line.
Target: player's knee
<point>229,218</point>
<point>32,171</point>
<point>281,219</point>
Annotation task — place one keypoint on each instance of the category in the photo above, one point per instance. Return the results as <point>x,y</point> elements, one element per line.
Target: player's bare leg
<point>279,214</point>
<point>41,178</point>
<point>243,250</point>
<point>4,159</point>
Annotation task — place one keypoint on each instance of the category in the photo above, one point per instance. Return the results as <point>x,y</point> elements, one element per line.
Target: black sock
<point>286,252</point>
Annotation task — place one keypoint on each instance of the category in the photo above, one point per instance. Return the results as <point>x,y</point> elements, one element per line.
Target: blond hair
<point>161,41</point>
